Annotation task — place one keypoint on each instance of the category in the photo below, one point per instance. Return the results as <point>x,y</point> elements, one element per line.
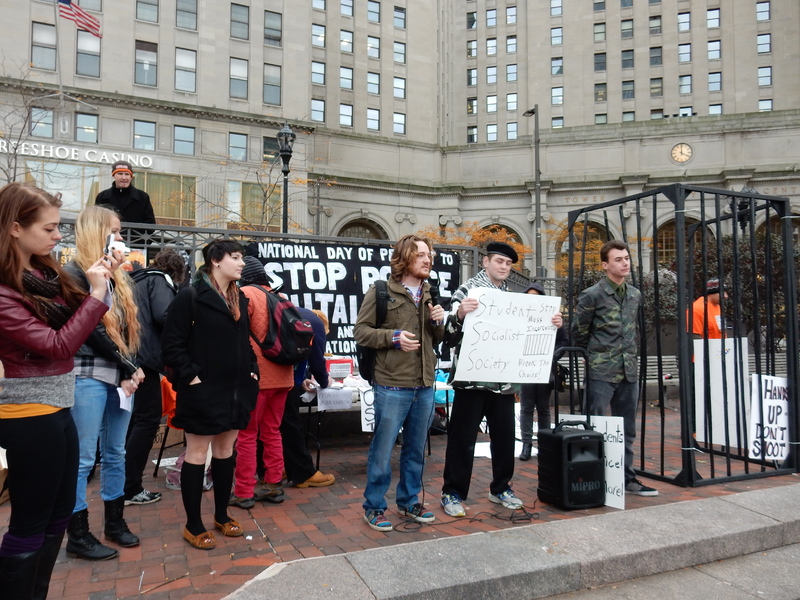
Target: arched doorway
<point>363,228</point>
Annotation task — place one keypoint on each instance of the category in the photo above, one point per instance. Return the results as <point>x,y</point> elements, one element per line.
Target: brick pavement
<point>311,522</point>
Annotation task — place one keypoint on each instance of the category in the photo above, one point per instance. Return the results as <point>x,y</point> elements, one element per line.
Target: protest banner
<point>769,420</point>
<point>509,338</point>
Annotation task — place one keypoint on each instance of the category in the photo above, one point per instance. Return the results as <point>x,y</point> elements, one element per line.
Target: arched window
<point>667,244</point>
<point>595,237</point>
<point>775,227</point>
<point>363,228</point>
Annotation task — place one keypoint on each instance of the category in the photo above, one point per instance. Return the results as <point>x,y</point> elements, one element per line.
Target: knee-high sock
<point>222,474</point>
<point>192,493</point>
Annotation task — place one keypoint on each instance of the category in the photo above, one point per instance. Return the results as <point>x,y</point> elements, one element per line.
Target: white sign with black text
<point>769,423</point>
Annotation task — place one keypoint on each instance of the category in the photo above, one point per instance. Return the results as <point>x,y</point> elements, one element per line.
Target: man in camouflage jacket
<point>606,324</point>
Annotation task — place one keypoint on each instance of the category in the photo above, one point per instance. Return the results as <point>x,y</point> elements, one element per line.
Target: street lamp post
<point>286,138</point>
<point>537,190</point>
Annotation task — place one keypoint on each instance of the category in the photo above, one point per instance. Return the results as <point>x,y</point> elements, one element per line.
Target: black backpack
<point>289,337</point>
<point>366,355</point>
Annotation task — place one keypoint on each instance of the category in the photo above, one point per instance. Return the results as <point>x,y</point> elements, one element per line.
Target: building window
<point>599,32</point>
<point>491,133</point>
<point>346,41</point>
<point>628,91</point>
<point>685,84</point>
<point>491,104</point>
<point>272,84</point>
<point>511,72</point>
<point>600,92</point>
<point>43,46</point>
<point>93,5</point>
<point>400,52</point>
<point>557,66</point>
<point>318,73</point>
<point>147,10</point>
<point>238,78</point>
<point>511,14</point>
<point>656,87</point>
<point>269,149</point>
<point>712,18</point>
<point>556,8</point>
<point>373,119</point>
<point>599,5</point>
<point>656,113</point>
<point>273,28</point>
<point>373,11</point>
<point>627,59</point>
<point>557,122</point>
<point>557,95</point>
<point>626,29</point>
<point>764,76</point>
<point>346,115</point>
<point>373,83</point>
<point>628,116</point>
<point>556,36</point>
<point>144,135</point>
<point>685,111</point>
<point>715,109</point>
<point>601,119</point>
<point>399,17</point>
<point>655,25</point>
<point>41,122</point>
<point>318,35</point>
<point>656,57</point>
<point>318,4</point>
<point>373,47</point>
<point>240,22</point>
<point>185,70</point>
<point>399,123</point>
<point>491,46</point>
<point>684,53</point>
<point>237,146</point>
<point>472,77</point>
<point>491,18</point>
<point>764,43</point>
<point>714,82</point>
<point>472,48</point>
<point>146,67</point>
<point>511,131</point>
<point>346,78</point>
<point>491,75</point>
<point>684,21</point>
<point>86,127</point>
<point>186,14</point>
<point>472,134</point>
<point>764,105</point>
<point>183,140</point>
<point>511,44</point>
<point>625,3</point>
<point>318,110</point>
<point>472,20</point>
<point>346,8</point>
<point>600,61</point>
<point>762,11</point>
<point>714,50</point>
<point>88,56</point>
<point>472,106</point>
<point>399,87</point>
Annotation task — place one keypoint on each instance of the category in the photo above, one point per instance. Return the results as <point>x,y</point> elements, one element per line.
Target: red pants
<point>265,421</point>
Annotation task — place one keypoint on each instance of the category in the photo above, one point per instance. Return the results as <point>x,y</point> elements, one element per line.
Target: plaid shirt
<point>101,369</point>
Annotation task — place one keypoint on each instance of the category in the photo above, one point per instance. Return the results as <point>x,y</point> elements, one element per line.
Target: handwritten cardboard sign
<point>769,424</point>
<point>367,409</point>
<point>334,398</point>
<point>509,338</point>
<point>613,430</point>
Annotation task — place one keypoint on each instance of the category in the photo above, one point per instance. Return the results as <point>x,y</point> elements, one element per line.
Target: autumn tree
<point>470,233</point>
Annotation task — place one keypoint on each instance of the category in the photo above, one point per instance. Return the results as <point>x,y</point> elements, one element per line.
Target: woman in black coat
<point>206,344</point>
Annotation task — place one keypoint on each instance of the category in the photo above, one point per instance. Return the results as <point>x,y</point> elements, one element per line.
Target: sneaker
<point>143,497</point>
<point>417,513</point>
<point>452,506</point>
<point>245,503</point>
<point>637,488</point>
<point>318,479</point>
<point>272,493</point>
<point>377,520</point>
<point>507,499</point>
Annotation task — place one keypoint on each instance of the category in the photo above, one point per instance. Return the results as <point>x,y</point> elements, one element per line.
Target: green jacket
<point>608,327</point>
<point>393,367</point>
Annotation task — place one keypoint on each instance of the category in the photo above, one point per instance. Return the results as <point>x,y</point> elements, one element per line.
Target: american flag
<point>71,11</point>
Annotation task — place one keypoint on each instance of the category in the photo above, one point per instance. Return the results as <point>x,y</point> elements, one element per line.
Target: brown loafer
<point>230,529</point>
<point>204,541</point>
<point>318,479</point>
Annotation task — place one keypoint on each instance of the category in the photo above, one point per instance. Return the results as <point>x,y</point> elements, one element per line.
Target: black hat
<point>253,272</point>
<point>503,249</point>
<point>121,165</point>
<point>536,286</point>
<point>713,286</point>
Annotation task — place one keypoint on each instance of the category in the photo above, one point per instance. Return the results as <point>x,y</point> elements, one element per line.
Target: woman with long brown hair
<point>44,319</point>
<point>103,365</point>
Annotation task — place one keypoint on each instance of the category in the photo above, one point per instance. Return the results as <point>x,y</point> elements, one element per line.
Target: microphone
<point>434,292</point>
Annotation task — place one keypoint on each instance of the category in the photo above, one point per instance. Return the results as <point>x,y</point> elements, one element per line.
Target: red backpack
<point>289,336</point>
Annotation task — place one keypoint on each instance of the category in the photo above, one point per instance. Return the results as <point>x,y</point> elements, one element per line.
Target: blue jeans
<point>413,411</point>
<point>97,415</point>
<point>623,398</point>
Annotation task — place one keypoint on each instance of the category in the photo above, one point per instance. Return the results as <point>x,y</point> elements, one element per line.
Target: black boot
<point>17,574</point>
<point>81,543</point>
<point>116,528</point>
<point>526,451</point>
<point>52,544</point>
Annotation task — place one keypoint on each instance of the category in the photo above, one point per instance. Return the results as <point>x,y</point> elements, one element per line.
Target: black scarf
<point>42,292</point>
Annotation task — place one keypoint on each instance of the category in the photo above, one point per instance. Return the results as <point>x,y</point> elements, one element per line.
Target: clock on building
<point>681,152</point>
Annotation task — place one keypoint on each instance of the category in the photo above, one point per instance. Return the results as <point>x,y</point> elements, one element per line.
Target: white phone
<point>109,240</point>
